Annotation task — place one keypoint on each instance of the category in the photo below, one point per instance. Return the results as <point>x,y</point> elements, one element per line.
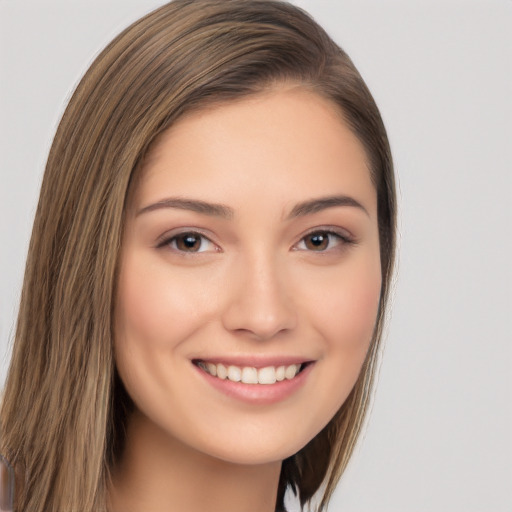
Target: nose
<point>260,302</point>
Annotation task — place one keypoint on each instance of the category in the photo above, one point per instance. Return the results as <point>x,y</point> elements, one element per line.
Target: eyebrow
<point>317,205</point>
<point>220,210</point>
<point>195,205</point>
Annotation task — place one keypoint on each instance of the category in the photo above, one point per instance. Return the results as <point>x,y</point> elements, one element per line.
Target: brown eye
<point>323,241</point>
<point>318,241</point>
<point>189,242</point>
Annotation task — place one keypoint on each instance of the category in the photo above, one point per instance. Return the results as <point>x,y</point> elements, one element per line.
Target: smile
<point>251,375</point>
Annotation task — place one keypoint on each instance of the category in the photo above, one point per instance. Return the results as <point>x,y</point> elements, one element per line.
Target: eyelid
<point>166,239</point>
<point>344,236</point>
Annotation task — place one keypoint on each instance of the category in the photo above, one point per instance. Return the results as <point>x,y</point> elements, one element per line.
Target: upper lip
<point>254,361</point>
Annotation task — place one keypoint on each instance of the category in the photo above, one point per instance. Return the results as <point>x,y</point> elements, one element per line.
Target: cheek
<point>346,304</point>
<point>156,308</point>
<point>354,322</point>
<point>345,316</point>
<point>154,313</point>
<point>357,311</point>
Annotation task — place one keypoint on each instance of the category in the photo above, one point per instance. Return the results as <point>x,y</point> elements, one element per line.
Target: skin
<point>257,287</point>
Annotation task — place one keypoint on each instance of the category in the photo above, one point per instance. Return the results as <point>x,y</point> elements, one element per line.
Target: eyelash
<point>332,236</point>
<point>340,237</point>
<point>173,240</point>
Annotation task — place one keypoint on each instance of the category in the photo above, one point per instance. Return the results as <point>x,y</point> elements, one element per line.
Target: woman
<point>208,272</point>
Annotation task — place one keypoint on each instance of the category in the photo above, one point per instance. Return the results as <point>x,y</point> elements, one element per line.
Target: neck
<point>161,474</point>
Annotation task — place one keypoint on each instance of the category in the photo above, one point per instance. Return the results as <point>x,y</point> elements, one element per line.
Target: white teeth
<point>212,369</point>
<point>222,371</point>
<point>280,373</point>
<point>291,371</point>
<point>234,373</point>
<point>250,375</point>
<point>267,375</point>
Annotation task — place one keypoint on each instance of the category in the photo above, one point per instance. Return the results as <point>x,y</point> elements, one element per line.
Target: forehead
<point>283,143</point>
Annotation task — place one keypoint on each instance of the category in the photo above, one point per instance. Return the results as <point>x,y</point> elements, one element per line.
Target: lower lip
<point>258,394</point>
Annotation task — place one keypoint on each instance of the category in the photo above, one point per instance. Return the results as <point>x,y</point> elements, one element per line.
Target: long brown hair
<point>64,409</point>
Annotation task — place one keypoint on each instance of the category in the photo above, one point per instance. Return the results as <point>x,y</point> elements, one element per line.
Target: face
<point>251,250</point>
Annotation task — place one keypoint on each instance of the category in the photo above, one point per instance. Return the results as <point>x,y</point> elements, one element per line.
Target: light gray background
<point>439,436</point>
